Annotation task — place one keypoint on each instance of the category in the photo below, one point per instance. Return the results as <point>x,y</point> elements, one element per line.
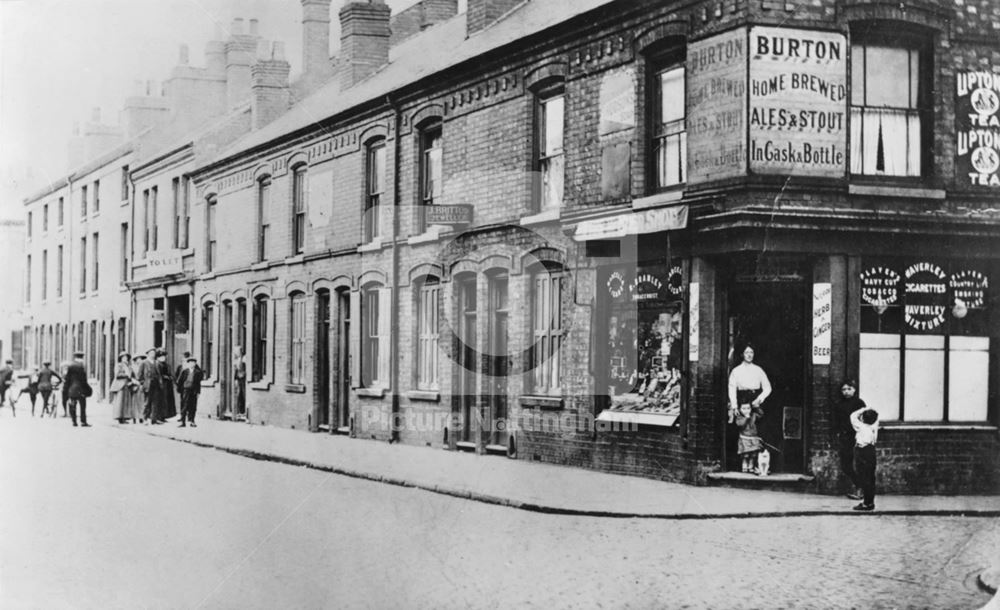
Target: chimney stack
<point>184,58</point>
<point>270,94</point>
<point>364,40</point>
<point>241,50</point>
<point>316,66</point>
<point>481,14</point>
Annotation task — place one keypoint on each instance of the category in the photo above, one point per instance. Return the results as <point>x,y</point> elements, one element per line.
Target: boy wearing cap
<point>45,387</point>
<point>77,389</point>
<point>189,383</point>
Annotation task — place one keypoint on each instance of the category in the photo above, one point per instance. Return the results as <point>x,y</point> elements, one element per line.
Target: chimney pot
<point>237,28</point>
<point>253,27</point>
<point>184,55</point>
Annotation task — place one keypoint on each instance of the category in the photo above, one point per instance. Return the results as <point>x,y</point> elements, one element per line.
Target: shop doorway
<point>225,362</point>
<point>178,338</point>
<point>770,314</point>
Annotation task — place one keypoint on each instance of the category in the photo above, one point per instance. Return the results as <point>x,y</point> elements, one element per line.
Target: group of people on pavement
<point>144,386</point>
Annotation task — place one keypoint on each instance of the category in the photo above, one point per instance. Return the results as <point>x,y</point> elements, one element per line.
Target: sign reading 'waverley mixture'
<point>798,97</point>
<point>977,114</point>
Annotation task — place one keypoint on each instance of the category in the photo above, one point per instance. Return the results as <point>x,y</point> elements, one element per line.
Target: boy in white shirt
<point>865,423</point>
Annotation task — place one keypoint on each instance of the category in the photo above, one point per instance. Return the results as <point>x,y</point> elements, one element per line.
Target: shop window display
<point>644,340</point>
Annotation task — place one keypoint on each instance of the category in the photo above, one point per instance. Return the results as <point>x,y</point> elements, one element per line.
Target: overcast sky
<point>61,58</point>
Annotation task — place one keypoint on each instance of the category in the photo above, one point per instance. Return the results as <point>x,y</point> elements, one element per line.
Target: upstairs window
<point>83,201</point>
<point>29,224</point>
<point>263,221</point>
<point>375,189</point>
<point>551,160</point>
<point>299,210</point>
<point>45,218</point>
<point>669,129</point>
<point>145,221</point>
<point>211,258</point>
<point>97,196</point>
<point>62,211</point>
<point>154,229</point>
<point>889,105</point>
<point>124,184</point>
<point>431,169</point>
<point>175,192</point>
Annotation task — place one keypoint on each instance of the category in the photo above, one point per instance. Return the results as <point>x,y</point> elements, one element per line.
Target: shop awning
<point>633,223</point>
<point>638,417</point>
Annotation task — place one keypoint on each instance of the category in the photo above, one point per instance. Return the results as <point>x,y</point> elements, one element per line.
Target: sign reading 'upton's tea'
<point>977,118</point>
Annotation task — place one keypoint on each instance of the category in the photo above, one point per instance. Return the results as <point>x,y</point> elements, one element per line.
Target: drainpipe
<point>68,268</point>
<point>394,360</point>
<point>131,264</point>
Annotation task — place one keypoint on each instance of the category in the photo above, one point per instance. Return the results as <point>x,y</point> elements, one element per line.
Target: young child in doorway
<point>750,442</point>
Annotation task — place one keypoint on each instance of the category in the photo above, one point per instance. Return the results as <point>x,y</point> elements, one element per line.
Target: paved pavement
<point>534,486</point>
<point>105,517</point>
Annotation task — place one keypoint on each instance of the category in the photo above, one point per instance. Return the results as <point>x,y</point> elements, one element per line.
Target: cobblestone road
<point>100,518</point>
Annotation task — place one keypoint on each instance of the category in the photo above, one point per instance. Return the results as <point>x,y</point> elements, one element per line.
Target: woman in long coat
<point>139,396</point>
<point>169,406</point>
<point>123,390</point>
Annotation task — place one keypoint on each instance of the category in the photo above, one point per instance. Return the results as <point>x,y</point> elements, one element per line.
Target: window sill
<point>886,190</point>
<point>666,197</point>
<point>431,234</point>
<point>632,417</point>
<point>424,395</point>
<point>370,392</point>
<point>295,259</point>
<point>208,275</point>
<point>260,386</point>
<point>930,426</point>
<point>295,388</point>
<point>546,403</point>
<point>541,218</point>
<point>373,246</point>
<point>262,265</point>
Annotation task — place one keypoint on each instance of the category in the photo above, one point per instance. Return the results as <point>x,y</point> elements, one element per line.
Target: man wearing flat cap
<point>189,383</point>
<point>77,389</point>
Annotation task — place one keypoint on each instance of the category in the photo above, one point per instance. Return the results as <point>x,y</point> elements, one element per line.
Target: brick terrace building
<point>528,225</point>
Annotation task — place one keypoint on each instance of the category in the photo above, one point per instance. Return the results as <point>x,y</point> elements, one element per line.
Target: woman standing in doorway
<point>748,384</point>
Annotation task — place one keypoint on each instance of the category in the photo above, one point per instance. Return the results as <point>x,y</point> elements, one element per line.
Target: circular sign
<point>985,160</point>
<point>926,293</point>
<point>969,287</point>
<point>616,284</point>
<point>675,281</point>
<point>646,287</point>
<point>880,286</point>
<point>985,101</point>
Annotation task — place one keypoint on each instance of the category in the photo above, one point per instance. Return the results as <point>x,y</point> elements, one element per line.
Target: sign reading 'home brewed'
<point>798,102</point>
<point>977,117</point>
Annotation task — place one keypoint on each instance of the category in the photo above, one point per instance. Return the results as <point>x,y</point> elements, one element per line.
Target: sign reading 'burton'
<point>798,101</point>
<point>716,107</point>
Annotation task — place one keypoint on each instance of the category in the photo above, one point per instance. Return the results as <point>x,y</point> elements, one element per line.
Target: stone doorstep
<point>744,480</point>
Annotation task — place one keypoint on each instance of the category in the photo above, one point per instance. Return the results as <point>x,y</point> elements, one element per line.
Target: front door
<point>495,423</point>
<point>226,362</point>
<point>342,418</point>
<point>467,360</point>
<point>323,372</point>
<point>771,316</point>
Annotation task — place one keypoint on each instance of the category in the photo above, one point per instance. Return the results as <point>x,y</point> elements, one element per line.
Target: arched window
<point>258,367</point>
<point>299,209</point>
<point>208,338</point>
<point>263,220</point>
<point>375,189</point>
<point>297,337</point>
<point>428,307</point>
<point>212,253</point>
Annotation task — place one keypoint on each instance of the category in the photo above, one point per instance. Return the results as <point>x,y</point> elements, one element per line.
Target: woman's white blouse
<point>748,376</point>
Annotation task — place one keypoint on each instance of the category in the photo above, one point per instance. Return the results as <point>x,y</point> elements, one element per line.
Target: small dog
<point>763,462</point>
